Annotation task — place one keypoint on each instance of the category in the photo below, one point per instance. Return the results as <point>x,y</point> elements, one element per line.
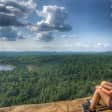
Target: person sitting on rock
<point>103,92</point>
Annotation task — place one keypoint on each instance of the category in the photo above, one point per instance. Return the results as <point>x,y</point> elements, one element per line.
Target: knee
<point>98,89</point>
<point>103,83</point>
<point>98,86</point>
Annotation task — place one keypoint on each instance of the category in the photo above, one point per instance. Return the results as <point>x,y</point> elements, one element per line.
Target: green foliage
<point>40,79</point>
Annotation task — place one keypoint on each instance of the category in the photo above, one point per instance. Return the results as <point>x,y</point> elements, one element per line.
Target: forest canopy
<point>48,78</point>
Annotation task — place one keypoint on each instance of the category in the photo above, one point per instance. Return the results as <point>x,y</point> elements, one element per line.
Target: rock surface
<point>63,106</point>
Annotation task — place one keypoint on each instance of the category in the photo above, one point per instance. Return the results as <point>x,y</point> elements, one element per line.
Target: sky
<point>56,25</point>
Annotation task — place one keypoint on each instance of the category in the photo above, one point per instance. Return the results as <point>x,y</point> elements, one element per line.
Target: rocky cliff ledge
<point>62,106</point>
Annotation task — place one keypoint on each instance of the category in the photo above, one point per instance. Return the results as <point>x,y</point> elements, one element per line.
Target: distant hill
<point>63,106</point>
<point>49,53</point>
<point>24,53</point>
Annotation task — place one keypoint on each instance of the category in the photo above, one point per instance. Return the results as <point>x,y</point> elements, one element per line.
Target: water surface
<point>6,67</point>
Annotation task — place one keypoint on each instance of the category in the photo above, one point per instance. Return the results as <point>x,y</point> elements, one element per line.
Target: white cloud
<point>16,12</point>
<point>101,45</point>
<point>10,34</point>
<point>12,12</point>
<point>53,19</point>
<point>14,15</point>
<point>44,36</point>
<point>30,44</point>
<point>53,15</point>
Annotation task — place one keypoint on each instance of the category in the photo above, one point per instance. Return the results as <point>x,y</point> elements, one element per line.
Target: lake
<point>6,67</point>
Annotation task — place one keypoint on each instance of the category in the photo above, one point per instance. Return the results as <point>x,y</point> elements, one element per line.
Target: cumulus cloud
<point>12,11</point>
<point>15,13</point>
<point>44,36</point>
<point>9,34</point>
<point>53,19</point>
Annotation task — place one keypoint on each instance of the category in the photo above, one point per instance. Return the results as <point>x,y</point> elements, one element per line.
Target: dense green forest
<point>47,78</point>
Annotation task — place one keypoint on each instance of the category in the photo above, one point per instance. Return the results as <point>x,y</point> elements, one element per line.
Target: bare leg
<point>105,98</point>
<point>99,94</point>
<point>95,99</point>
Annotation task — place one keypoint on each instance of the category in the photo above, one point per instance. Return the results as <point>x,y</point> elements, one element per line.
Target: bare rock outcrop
<point>62,106</point>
